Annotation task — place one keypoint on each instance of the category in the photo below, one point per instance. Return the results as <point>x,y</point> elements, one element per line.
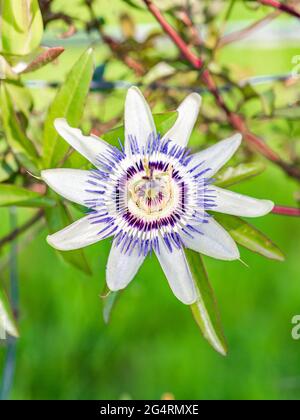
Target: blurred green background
<point>152,345</point>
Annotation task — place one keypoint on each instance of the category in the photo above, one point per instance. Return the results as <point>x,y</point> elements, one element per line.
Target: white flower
<point>152,196</point>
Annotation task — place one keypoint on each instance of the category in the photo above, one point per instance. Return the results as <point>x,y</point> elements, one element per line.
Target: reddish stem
<point>286,211</point>
<point>238,123</point>
<point>236,120</point>
<point>176,38</point>
<point>280,6</point>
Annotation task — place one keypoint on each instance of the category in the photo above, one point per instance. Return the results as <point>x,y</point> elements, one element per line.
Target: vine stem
<point>236,120</point>
<point>280,6</point>
<point>286,211</point>
<point>176,38</point>
<point>245,32</point>
<point>114,46</point>
<point>10,360</point>
<point>22,229</point>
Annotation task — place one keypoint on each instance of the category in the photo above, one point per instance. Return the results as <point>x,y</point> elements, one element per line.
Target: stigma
<point>152,194</point>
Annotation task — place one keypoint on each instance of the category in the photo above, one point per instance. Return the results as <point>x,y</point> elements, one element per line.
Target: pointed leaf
<point>68,103</point>
<point>21,146</point>
<point>249,92</point>
<point>165,121</point>
<point>235,174</point>
<point>161,70</point>
<point>133,4</point>
<point>112,136</point>
<point>205,310</point>
<point>268,101</point>
<point>21,26</point>
<point>8,167</point>
<point>248,236</point>
<point>12,195</point>
<point>21,97</point>
<point>6,72</point>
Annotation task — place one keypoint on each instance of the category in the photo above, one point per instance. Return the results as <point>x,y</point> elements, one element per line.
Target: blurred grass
<point>152,344</point>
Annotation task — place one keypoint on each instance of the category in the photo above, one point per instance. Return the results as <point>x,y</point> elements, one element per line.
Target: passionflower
<point>151,196</point>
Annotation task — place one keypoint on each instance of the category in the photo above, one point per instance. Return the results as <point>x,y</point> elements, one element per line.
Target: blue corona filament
<point>154,192</point>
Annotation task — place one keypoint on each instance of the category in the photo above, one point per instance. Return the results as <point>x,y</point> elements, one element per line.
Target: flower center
<point>153,194</point>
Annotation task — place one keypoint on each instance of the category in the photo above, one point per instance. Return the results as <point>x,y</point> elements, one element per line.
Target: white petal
<point>91,147</point>
<point>139,122</point>
<point>122,267</point>
<point>177,271</point>
<point>72,184</point>
<point>218,155</point>
<point>78,235</point>
<point>187,116</point>
<point>214,241</point>
<point>240,205</point>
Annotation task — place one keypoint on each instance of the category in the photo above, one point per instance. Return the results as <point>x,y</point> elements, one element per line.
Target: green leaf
<point>12,195</point>
<point>112,136</point>
<point>109,299</point>
<point>7,321</point>
<point>8,167</point>
<point>57,219</point>
<point>249,237</point>
<point>235,174</point>
<point>249,92</point>
<point>161,70</point>
<point>163,123</point>
<point>6,70</point>
<point>68,103</point>
<point>21,96</point>
<point>205,310</point>
<point>15,135</point>
<point>132,4</point>
<point>268,101</point>
<point>21,26</point>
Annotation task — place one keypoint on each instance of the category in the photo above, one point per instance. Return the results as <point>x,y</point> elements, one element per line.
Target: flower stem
<point>280,6</point>
<point>286,211</point>
<point>10,360</point>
